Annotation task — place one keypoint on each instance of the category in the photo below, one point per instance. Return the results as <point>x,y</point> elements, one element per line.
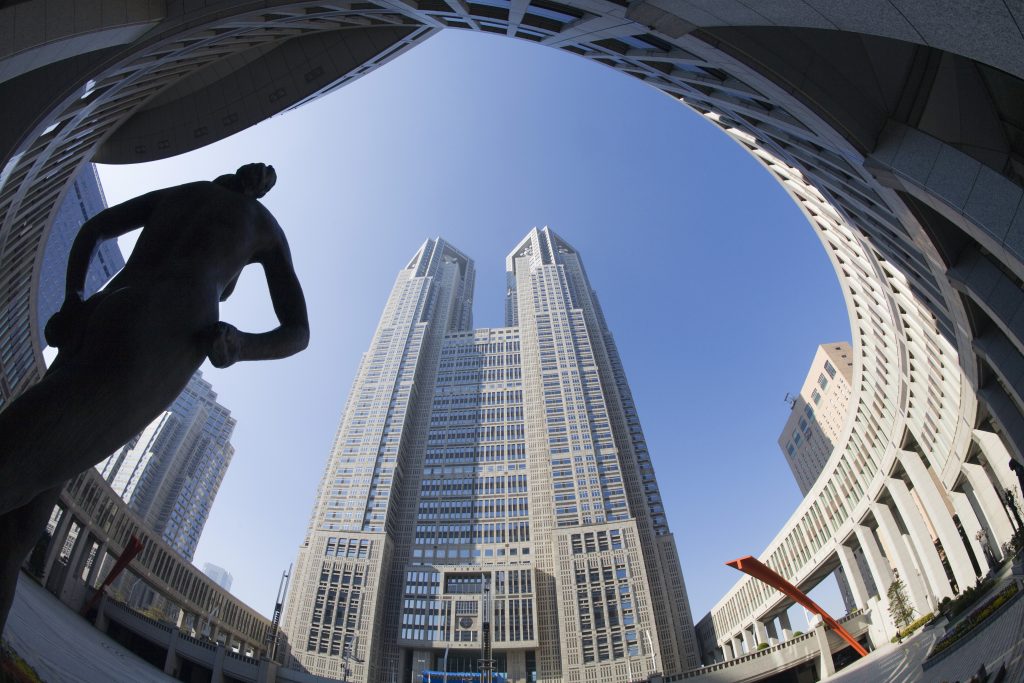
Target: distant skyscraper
<point>814,425</point>
<point>818,413</point>
<point>171,471</point>
<point>491,476</point>
<point>220,575</point>
<point>83,201</point>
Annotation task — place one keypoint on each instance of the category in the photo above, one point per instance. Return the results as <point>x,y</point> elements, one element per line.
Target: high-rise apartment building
<point>490,486</point>
<point>818,412</point>
<point>171,471</point>
<point>83,201</point>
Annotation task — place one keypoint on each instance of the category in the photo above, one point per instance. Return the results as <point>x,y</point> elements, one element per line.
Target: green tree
<point>900,609</point>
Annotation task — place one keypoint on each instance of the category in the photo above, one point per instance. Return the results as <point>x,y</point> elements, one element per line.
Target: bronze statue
<point>127,351</point>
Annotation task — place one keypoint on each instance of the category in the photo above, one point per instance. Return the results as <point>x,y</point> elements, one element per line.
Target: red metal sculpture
<point>759,570</point>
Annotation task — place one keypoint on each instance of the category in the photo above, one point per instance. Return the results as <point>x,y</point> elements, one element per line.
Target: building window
<point>830,369</point>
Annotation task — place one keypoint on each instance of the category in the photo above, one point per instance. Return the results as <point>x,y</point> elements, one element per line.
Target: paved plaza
<point>64,648</point>
<point>999,641</point>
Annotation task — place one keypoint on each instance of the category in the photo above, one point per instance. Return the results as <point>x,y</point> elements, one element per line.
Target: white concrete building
<point>819,411</point>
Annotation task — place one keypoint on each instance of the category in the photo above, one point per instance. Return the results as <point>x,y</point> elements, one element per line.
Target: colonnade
<point>938,540</point>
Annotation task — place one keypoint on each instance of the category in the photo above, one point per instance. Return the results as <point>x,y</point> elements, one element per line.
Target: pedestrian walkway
<point>64,648</point>
<point>999,641</point>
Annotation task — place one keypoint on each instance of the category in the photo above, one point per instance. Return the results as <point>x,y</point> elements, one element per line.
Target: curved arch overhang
<point>896,129</point>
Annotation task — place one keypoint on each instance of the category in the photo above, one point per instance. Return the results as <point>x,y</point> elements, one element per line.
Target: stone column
<point>942,521</point>
<point>171,661</point>
<point>787,628</point>
<point>97,563</point>
<point>760,633</point>
<point>828,667</point>
<point>998,458</point>
<point>969,521</point>
<point>74,570</point>
<point>60,535</point>
<point>853,577</point>
<point>737,645</point>
<point>991,507</point>
<point>773,633</point>
<point>921,539</point>
<point>218,665</point>
<point>881,573</point>
<point>748,638</point>
<point>899,555</point>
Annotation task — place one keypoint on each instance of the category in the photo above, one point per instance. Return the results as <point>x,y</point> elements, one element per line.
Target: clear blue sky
<point>714,285</point>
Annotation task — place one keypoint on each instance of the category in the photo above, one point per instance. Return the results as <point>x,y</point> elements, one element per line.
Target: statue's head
<point>253,180</point>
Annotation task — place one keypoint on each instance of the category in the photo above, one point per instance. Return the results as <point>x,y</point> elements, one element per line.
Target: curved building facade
<point>894,125</point>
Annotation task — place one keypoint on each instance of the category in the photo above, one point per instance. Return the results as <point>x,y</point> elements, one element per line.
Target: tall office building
<point>171,471</point>
<point>83,201</point>
<point>815,423</point>
<point>814,427</point>
<point>490,485</point>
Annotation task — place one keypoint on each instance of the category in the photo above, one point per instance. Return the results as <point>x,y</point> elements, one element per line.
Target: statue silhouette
<point>127,351</point>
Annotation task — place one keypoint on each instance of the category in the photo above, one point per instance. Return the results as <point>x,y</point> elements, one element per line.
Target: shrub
<point>913,626</point>
<point>968,624</point>
<point>762,646</point>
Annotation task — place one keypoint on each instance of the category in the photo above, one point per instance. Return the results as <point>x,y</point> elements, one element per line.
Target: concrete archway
<point>895,128</point>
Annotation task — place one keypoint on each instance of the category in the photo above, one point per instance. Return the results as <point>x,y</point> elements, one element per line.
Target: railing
<point>751,656</point>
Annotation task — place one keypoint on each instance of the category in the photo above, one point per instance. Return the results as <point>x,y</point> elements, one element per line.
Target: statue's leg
<point>19,531</point>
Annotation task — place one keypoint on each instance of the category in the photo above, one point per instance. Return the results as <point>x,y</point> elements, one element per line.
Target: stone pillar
<point>102,622</point>
<point>969,521</point>
<point>93,578</point>
<point>787,628</point>
<point>899,555</point>
<point>218,665</point>
<point>881,573</point>
<point>737,645</point>
<point>171,661</point>
<point>773,633</point>
<point>998,458</point>
<point>828,667</point>
<point>74,570</point>
<point>727,650</point>
<point>267,671</point>
<point>748,638</point>
<point>853,577</point>
<point>60,535</point>
<point>942,521</point>
<point>921,539</point>
<point>991,507</point>
<point>881,629</point>
<point>760,634</point>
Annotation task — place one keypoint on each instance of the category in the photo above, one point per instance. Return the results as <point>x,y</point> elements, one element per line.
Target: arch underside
<point>896,130</point>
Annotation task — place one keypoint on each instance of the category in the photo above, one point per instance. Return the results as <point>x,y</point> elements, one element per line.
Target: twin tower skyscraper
<point>489,494</point>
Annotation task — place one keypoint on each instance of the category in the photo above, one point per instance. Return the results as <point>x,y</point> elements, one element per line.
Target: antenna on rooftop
<point>791,400</point>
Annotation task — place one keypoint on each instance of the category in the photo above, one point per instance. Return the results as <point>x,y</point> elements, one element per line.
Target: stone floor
<point>64,648</point>
<point>1000,641</point>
